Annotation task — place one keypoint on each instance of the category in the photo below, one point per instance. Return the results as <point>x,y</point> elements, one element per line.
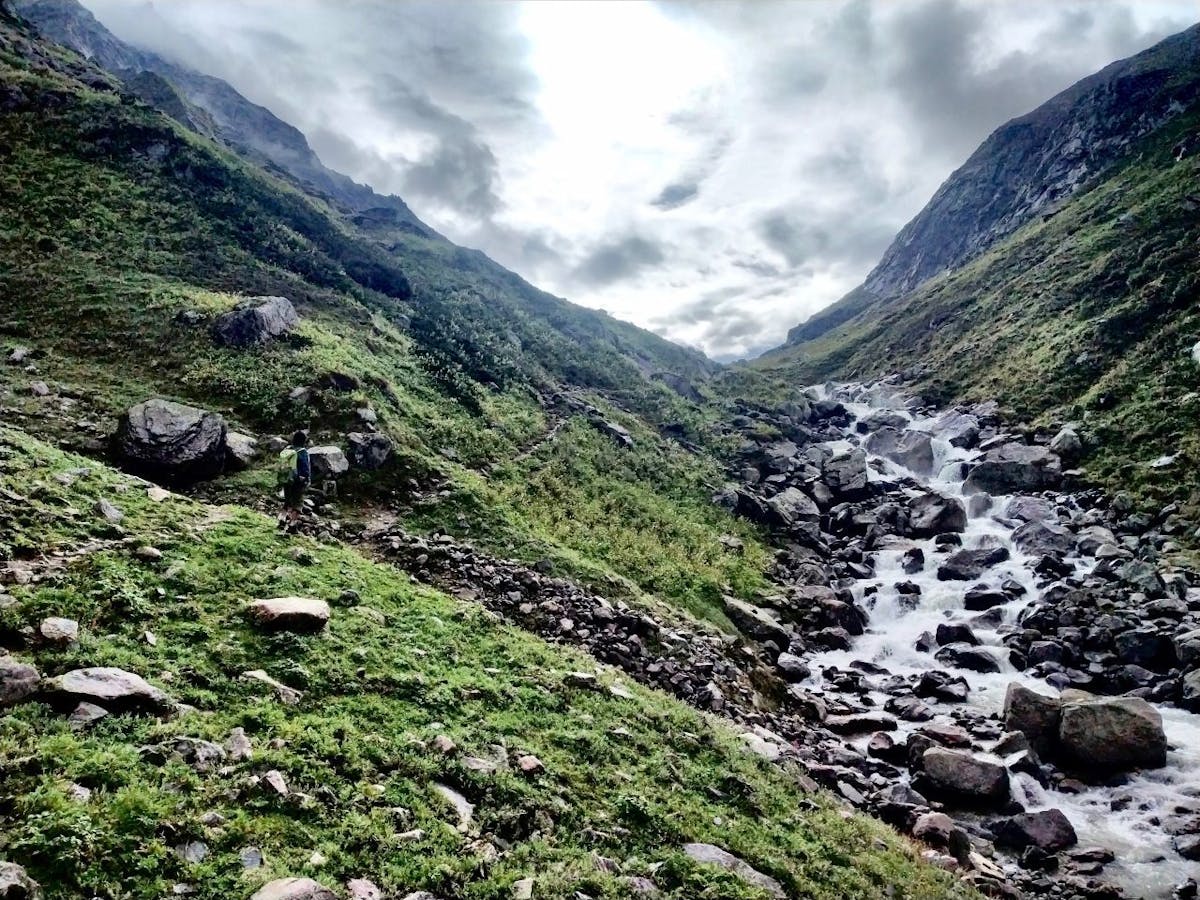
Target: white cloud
<point>714,171</point>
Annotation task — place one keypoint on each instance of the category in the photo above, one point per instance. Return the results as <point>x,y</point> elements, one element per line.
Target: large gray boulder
<point>1047,829</point>
<point>1040,538</point>
<point>240,450</point>
<point>1112,734</point>
<point>791,507</point>
<point>911,449</point>
<point>113,689</point>
<point>958,429</point>
<point>171,442</point>
<point>257,320</point>
<point>327,463</point>
<point>968,565</point>
<point>18,681</point>
<point>957,775</point>
<point>932,514</point>
<point>756,622</point>
<point>15,883</point>
<point>1015,468</point>
<point>846,474</point>
<point>369,450</point>
<point>1034,715</point>
<point>709,854</point>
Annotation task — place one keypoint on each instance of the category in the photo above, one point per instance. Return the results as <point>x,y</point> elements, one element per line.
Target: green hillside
<point>1088,314</point>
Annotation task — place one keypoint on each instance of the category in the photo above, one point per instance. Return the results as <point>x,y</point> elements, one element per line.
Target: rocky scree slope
<point>1085,312</point>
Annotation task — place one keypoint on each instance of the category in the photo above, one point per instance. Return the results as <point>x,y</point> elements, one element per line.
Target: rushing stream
<point>1127,819</point>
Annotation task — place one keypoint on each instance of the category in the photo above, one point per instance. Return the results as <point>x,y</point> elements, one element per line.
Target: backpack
<point>285,468</point>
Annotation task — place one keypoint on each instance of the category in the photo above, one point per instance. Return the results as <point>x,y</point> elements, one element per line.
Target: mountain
<point>1027,169</point>
<point>1055,272</point>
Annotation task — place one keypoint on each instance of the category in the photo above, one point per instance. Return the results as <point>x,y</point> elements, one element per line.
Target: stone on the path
<point>84,715</point>
<point>114,689</point>
<point>369,451</point>
<point>256,320</point>
<point>327,463</point>
<point>18,681</point>
<point>240,450</point>
<point>15,883</point>
<point>302,615</point>
<point>1112,733</point>
<point>959,775</point>
<point>293,889</point>
<point>1047,829</point>
<point>709,854</point>
<point>171,441</point>
<point>59,632</point>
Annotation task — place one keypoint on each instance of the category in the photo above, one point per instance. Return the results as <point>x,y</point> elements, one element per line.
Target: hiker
<point>295,472</point>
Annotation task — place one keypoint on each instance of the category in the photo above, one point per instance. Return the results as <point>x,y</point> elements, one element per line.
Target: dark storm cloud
<point>804,241</point>
<point>619,260</point>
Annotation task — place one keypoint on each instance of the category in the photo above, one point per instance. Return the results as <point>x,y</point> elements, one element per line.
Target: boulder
<point>846,474</point>
<point>293,889</point>
<point>369,451</point>
<point>18,681</point>
<point>1041,538</point>
<point>959,776</point>
<point>327,463</point>
<point>617,432</point>
<point>911,449</point>
<point>15,883</point>
<point>709,854</point>
<point>1189,691</point>
<point>1030,509</point>
<point>962,656</point>
<point>1112,733</point>
<point>792,667</point>
<point>958,429</point>
<point>757,623</point>
<point>59,632</point>
<point>932,514</point>
<point>1048,830</point>
<point>967,565</point>
<point>257,320</point>
<point>170,441</point>
<point>955,633</point>
<point>1067,444</point>
<point>296,614</point>
<point>113,689</point>
<point>1034,715</point>
<point>792,507</point>
<point>240,450</point>
<point>1014,468</point>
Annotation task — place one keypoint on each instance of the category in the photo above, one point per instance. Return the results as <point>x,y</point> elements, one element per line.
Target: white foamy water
<point>1126,820</point>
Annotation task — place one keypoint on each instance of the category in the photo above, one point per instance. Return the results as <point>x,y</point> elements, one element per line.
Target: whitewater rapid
<point>1127,819</point>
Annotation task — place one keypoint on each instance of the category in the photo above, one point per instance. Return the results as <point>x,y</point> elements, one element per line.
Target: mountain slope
<point>1027,168</point>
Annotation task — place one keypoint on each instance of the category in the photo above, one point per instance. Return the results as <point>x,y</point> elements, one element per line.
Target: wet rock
<point>932,514</point>
<point>910,709</point>
<point>1113,733</point>
<point>981,599</point>
<point>302,615</point>
<point>1047,829</point>
<point>955,633</point>
<point>709,854</point>
<point>1030,509</point>
<point>974,659</point>
<point>293,889</point>
<point>911,449</point>
<point>960,776</point>
<point>1040,538</point>
<point>112,688</point>
<point>369,451</point>
<point>328,463</point>
<point>1034,715</point>
<point>967,565</point>
<point>1014,468</point>
<point>942,686</point>
<point>913,560</point>
<point>257,320</point>
<point>792,667</point>
<point>170,441</point>
<point>18,681</point>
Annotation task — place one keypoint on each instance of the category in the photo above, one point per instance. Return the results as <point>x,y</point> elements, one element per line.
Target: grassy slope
<point>113,221</point>
<point>1087,316</point>
<point>630,779</point>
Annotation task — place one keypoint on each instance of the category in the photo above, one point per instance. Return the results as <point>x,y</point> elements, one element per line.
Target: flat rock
<point>296,614</point>
<point>710,854</point>
<point>114,689</point>
<point>958,775</point>
<point>293,889</point>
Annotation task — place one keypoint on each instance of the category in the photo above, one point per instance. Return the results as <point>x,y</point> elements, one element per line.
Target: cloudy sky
<point>715,171</point>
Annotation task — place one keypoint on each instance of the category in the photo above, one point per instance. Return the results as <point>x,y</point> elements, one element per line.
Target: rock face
<point>113,689</point>
<point>710,854</point>
<point>327,463</point>
<point>1014,468</point>
<point>18,681</point>
<point>1113,733</point>
<point>293,889</point>
<point>257,320</point>
<point>171,442</point>
<point>298,614</point>
<point>957,775</point>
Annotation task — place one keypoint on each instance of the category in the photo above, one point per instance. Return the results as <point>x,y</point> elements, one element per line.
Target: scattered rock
<point>710,854</point>
<point>327,463</point>
<point>369,451</point>
<point>15,883</point>
<point>1048,830</point>
<point>301,615</point>
<point>18,681</point>
<point>59,632</point>
<point>170,441</point>
<point>114,689</point>
<point>293,889</point>
<point>256,320</point>
<point>240,450</point>
<point>1112,733</point>
<point>958,775</point>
